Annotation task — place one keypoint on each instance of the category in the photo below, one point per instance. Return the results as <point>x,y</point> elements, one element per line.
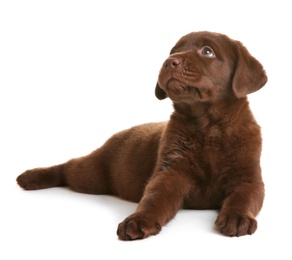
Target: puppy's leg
<point>237,215</point>
<point>163,197</point>
<point>41,178</point>
<point>85,174</point>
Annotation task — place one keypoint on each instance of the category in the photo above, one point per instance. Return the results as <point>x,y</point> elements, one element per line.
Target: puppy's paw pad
<point>236,224</point>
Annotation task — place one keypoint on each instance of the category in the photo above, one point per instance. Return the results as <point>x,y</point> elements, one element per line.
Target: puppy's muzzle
<point>172,64</point>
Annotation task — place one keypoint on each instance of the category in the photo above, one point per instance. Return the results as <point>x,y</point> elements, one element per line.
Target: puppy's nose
<point>172,63</point>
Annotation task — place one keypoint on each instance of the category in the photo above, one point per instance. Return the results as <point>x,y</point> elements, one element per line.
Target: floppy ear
<point>159,92</point>
<point>249,74</point>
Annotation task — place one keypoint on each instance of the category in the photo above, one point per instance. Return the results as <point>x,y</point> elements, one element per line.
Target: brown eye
<point>208,52</point>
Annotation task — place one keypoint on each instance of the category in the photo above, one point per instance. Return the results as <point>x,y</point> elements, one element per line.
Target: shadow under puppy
<point>207,156</point>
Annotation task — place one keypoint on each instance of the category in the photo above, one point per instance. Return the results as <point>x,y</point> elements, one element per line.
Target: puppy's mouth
<point>177,88</point>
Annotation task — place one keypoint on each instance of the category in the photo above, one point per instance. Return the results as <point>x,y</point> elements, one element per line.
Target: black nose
<point>172,63</point>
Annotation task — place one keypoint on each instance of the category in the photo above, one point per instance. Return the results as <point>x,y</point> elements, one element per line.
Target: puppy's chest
<point>205,157</point>
<point>200,150</point>
<point>207,150</point>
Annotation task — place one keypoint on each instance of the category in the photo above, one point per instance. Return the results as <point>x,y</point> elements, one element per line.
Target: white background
<point>72,73</point>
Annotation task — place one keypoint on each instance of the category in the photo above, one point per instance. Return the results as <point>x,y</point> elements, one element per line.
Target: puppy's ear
<point>249,74</point>
<point>159,92</point>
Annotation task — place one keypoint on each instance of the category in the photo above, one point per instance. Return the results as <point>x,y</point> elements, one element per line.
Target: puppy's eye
<point>208,52</point>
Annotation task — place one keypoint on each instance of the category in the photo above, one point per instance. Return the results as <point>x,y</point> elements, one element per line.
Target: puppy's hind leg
<point>86,174</point>
<point>41,178</point>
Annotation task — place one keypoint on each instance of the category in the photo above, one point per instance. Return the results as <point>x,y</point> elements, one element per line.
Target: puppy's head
<point>205,66</point>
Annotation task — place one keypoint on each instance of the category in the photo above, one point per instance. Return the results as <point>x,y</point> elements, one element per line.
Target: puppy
<point>207,156</point>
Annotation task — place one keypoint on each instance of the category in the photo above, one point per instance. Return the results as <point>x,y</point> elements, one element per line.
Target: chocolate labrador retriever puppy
<point>207,156</point>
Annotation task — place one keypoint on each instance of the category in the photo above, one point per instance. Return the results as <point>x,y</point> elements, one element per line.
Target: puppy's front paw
<point>232,223</point>
<point>137,226</point>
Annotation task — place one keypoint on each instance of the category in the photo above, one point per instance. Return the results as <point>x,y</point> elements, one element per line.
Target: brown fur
<point>207,156</point>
